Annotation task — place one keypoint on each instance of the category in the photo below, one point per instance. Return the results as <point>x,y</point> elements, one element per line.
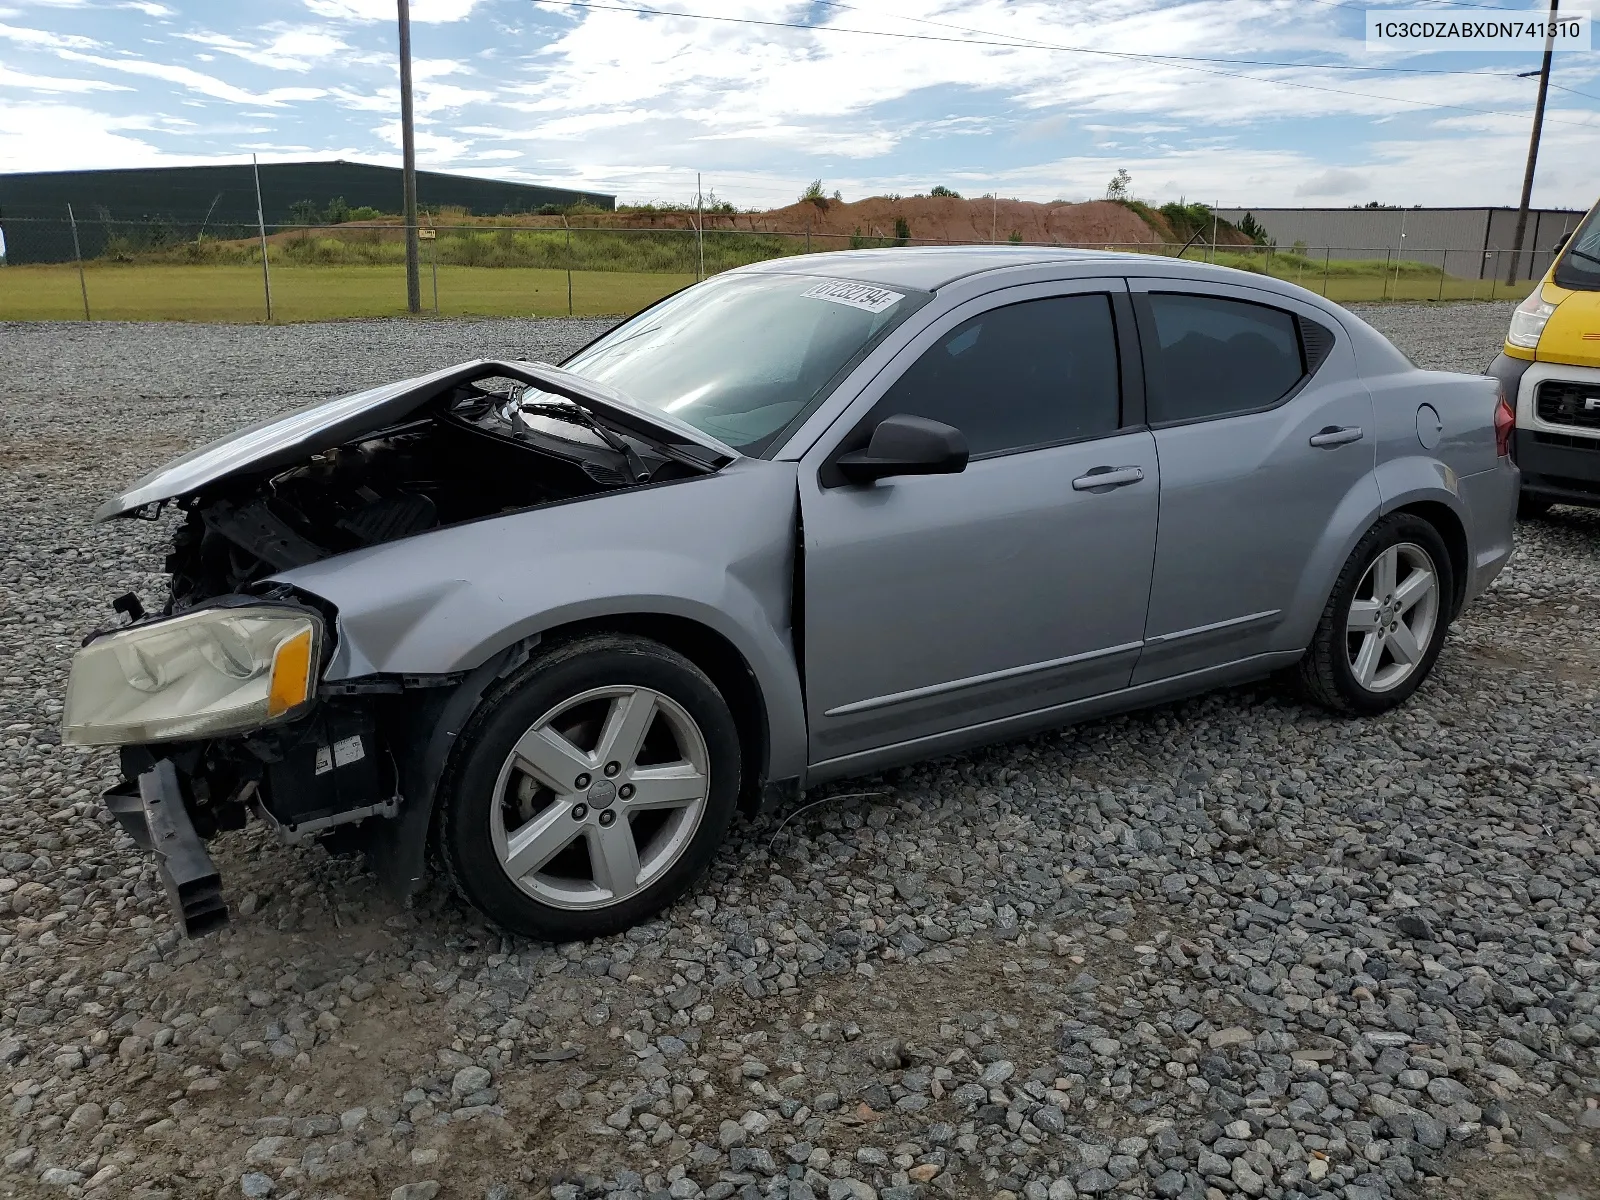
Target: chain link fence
<point>102,269</point>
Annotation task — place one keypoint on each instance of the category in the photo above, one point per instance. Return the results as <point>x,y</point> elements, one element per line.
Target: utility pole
<point>699,228</point>
<point>77,253</point>
<point>1533,144</point>
<point>408,143</point>
<point>261,226</point>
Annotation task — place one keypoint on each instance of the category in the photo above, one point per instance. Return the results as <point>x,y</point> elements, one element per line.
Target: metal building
<point>178,203</point>
<point>1470,243</point>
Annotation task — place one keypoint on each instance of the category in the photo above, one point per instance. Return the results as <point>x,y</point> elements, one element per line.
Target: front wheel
<point>592,790</point>
<point>1385,622</point>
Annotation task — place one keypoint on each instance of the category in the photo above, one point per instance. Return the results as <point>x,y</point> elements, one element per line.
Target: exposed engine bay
<point>490,447</point>
<point>465,444</point>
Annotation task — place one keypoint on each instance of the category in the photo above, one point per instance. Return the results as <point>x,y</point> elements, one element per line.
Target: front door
<point>1264,429</point>
<point>940,603</point>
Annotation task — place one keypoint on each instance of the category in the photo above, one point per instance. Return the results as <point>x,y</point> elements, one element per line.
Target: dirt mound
<point>929,218</point>
<point>948,219</point>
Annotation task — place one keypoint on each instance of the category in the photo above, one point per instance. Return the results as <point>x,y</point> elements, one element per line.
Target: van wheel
<point>592,790</point>
<point>1531,508</point>
<point>1385,622</point>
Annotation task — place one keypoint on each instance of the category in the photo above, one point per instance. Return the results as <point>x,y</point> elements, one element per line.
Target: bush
<point>1187,220</point>
<point>902,231</point>
<point>939,189</point>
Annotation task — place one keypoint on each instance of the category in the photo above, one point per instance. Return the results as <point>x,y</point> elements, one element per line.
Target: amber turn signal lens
<point>291,675</point>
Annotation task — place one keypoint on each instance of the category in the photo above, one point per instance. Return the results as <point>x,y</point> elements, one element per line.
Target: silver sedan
<point>806,520</point>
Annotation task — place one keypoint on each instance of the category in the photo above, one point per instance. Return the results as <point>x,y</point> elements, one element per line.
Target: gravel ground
<point>1231,946</point>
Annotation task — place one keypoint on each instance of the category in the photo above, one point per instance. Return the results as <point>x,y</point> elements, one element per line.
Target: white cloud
<point>46,40</point>
<point>59,137</point>
<point>46,83</point>
<point>430,98</point>
<point>195,81</point>
<point>290,50</point>
<point>422,11</point>
<point>1334,182</point>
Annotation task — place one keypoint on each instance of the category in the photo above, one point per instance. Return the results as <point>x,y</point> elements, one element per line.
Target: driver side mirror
<point>906,445</point>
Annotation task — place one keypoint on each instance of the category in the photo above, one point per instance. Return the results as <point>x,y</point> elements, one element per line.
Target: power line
<point>1034,43</point>
<point>1181,62</point>
<point>1574,91</point>
<point>986,38</point>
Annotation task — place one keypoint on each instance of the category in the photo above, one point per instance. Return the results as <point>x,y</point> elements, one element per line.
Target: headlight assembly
<point>204,674</point>
<point>1528,321</point>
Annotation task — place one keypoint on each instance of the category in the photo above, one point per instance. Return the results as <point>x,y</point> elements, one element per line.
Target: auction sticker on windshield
<point>856,295</point>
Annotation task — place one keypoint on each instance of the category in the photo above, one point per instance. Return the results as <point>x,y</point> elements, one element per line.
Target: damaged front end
<point>217,698</point>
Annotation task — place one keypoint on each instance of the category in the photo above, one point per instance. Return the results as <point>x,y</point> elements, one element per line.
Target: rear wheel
<point>1385,623</point>
<point>592,791</point>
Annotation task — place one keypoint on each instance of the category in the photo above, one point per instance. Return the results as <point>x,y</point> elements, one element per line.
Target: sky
<point>871,97</point>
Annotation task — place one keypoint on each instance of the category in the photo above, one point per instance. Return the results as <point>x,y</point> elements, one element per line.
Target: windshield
<point>1579,265</point>
<point>741,356</point>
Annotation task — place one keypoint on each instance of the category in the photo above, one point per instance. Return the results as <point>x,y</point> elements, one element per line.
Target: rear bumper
<point>1559,467</point>
<point>1491,500</point>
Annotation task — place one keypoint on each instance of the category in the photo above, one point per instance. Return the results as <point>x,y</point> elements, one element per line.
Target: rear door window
<point>1208,356</point>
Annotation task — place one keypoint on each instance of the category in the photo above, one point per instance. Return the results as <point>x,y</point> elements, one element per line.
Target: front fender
<point>717,549</point>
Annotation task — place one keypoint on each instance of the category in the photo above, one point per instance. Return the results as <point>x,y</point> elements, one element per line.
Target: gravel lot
<point>1232,946</point>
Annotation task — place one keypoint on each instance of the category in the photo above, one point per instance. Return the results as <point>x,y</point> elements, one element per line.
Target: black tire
<point>1325,675</point>
<point>468,803</point>
<point>1531,508</point>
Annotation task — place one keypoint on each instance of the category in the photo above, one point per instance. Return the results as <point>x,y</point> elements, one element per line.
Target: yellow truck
<point>1549,371</point>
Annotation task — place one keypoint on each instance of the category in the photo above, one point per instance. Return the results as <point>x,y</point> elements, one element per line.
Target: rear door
<point>945,602</point>
<point>1264,430</point>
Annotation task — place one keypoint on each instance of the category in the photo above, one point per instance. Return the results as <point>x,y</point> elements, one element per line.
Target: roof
<point>929,268</point>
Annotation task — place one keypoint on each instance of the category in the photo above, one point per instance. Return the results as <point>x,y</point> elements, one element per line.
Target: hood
<point>284,440</point>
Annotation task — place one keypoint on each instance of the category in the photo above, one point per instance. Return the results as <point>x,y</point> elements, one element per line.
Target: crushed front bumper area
<point>329,777</point>
<point>152,812</point>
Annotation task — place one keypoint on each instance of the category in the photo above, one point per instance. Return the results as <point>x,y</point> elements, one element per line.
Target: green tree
<point>1251,228</point>
<point>1120,185</point>
<point>305,212</point>
<point>939,189</point>
<point>902,231</point>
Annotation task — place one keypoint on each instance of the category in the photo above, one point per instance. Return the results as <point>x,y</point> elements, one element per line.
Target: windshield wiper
<point>578,415</point>
<point>1587,257</point>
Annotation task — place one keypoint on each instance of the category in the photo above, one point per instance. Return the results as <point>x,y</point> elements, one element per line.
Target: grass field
<point>234,293</point>
<point>169,292</point>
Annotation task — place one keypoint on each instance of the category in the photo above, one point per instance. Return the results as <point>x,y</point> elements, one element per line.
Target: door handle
<point>1107,478</point>
<point>1336,435</point>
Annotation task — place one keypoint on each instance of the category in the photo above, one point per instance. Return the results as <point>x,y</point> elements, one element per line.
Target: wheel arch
<point>1453,533</point>
<point>427,727</point>
<point>723,664</point>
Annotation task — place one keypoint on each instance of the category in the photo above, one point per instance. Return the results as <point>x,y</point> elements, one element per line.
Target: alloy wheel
<point>600,796</point>
<point>1392,617</point>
